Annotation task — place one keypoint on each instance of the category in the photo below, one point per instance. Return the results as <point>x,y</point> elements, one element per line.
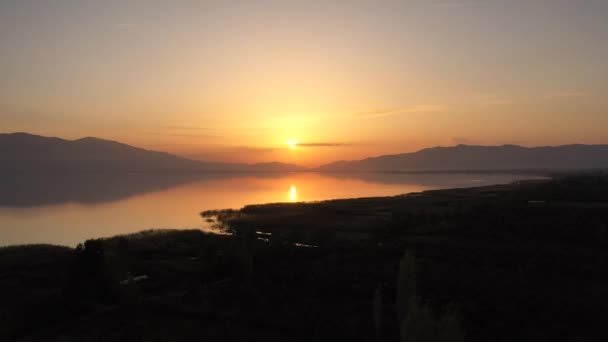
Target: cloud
<point>187,128</point>
<point>185,131</point>
<point>463,141</point>
<point>568,94</point>
<point>186,135</point>
<point>292,118</point>
<point>125,26</point>
<point>458,4</point>
<point>496,101</point>
<point>424,108</point>
<point>253,149</point>
<point>229,153</point>
<point>194,135</point>
<point>378,113</point>
<point>322,144</point>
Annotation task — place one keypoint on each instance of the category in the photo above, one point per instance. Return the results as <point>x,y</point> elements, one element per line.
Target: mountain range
<point>22,152</point>
<point>27,153</point>
<point>479,158</point>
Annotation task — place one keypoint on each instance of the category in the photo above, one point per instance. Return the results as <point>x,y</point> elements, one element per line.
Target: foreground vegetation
<point>518,262</point>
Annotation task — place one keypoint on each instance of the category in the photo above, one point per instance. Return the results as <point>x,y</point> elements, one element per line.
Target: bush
<point>417,320</point>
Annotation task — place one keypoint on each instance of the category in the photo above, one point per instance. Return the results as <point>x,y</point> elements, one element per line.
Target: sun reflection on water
<point>293,194</point>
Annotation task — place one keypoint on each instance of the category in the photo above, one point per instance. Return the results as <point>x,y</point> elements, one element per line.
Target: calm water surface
<point>69,210</point>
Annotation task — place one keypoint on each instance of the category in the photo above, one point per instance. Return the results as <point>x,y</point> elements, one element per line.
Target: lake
<point>70,209</point>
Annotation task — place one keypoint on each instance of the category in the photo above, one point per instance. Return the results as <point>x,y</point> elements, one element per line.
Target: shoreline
<point>354,200</point>
<point>497,258</point>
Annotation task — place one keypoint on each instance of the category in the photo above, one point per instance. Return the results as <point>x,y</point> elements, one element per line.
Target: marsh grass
<point>418,321</point>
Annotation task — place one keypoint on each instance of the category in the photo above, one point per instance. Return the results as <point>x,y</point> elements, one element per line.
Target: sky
<point>235,80</point>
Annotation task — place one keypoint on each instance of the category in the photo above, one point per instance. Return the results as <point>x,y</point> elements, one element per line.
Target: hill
<point>465,157</point>
<point>22,152</point>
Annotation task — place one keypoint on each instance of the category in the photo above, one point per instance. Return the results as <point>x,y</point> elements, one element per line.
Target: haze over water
<point>43,210</point>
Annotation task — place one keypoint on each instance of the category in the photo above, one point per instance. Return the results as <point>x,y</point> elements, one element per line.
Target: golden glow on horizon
<point>292,143</point>
<point>376,82</point>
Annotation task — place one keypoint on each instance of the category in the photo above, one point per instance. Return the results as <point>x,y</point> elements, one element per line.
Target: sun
<point>292,143</point>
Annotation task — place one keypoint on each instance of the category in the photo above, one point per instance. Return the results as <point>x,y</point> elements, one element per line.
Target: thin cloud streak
<point>196,135</point>
<point>464,141</point>
<point>254,149</point>
<point>187,128</point>
<point>322,144</point>
<point>404,110</point>
<point>498,101</point>
<point>568,94</point>
<point>186,135</point>
<point>458,4</point>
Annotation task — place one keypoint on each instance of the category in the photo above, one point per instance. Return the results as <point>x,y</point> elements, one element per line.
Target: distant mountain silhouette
<point>22,152</point>
<point>27,153</point>
<point>464,157</point>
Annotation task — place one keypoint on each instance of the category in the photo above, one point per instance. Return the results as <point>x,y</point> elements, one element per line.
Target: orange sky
<point>233,81</point>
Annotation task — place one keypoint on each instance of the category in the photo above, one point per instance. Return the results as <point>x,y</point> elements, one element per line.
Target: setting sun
<point>283,170</point>
<point>292,143</point>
